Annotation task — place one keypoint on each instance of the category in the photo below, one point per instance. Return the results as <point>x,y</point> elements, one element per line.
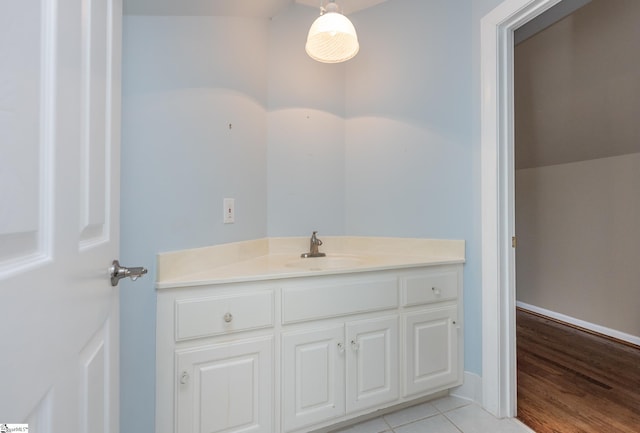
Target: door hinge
<point>514,241</point>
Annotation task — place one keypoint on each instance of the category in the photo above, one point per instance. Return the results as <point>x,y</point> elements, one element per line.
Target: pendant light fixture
<point>332,38</point>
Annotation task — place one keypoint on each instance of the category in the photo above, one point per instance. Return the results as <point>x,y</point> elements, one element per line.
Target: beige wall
<point>577,92</point>
<point>578,166</point>
<point>578,240</point>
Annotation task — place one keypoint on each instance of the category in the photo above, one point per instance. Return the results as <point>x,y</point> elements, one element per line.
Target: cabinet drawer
<point>224,314</point>
<point>338,299</point>
<point>433,286</point>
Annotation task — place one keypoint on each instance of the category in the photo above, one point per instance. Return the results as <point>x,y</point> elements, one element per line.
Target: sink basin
<point>325,263</point>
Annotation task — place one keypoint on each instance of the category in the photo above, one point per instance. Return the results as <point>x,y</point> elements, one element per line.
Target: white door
<point>59,228</point>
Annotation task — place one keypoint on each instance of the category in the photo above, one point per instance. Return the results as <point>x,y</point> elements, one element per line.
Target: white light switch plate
<point>229,205</point>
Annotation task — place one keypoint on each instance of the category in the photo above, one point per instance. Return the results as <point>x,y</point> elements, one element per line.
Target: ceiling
<point>348,6</point>
<point>242,8</point>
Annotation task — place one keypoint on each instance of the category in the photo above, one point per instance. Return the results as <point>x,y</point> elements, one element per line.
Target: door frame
<point>499,392</point>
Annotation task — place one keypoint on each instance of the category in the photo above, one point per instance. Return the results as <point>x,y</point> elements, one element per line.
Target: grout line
<point>426,417</point>
<point>388,425</point>
<point>392,429</point>
<point>446,417</point>
<point>414,421</point>
<point>451,422</point>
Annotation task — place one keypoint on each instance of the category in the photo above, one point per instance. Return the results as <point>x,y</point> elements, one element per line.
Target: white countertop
<point>275,258</point>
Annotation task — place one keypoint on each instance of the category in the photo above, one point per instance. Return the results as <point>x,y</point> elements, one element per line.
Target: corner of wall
<point>471,388</point>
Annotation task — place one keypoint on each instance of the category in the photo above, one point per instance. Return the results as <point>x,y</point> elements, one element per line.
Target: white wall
<point>578,246</point>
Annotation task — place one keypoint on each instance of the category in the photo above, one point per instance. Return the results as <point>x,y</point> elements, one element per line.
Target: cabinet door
<point>372,362</point>
<point>313,376</point>
<point>431,347</point>
<point>226,388</point>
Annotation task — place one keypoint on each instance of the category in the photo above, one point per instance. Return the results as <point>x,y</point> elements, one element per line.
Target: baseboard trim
<point>471,388</point>
<point>622,337</point>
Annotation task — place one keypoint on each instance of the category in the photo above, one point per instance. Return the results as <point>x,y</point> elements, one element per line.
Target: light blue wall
<point>387,144</point>
<point>409,148</point>
<point>383,141</point>
<point>306,133</point>
<point>183,83</point>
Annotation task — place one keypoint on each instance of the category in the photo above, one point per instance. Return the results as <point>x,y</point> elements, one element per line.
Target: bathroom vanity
<point>253,338</point>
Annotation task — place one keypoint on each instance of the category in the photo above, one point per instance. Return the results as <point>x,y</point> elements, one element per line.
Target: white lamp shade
<point>332,39</point>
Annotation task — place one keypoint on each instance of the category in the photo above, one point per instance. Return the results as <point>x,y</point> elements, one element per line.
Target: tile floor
<point>445,415</point>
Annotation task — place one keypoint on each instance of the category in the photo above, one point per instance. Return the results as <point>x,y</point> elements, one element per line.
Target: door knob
<point>118,272</point>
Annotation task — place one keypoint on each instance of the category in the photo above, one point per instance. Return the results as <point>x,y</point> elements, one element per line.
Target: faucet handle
<point>314,243</point>
<point>314,239</point>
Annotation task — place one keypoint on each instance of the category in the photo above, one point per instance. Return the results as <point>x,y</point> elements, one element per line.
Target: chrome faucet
<point>314,243</point>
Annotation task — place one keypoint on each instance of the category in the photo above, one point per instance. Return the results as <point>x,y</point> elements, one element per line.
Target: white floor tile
<point>376,425</point>
<point>473,419</point>
<point>435,424</point>
<point>457,416</point>
<point>450,402</point>
<point>411,414</point>
<point>519,427</point>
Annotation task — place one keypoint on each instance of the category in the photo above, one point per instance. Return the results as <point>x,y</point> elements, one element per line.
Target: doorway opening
<point>498,210</point>
<point>497,201</point>
<point>576,179</point>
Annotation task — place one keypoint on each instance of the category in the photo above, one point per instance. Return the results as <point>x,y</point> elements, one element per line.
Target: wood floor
<point>572,381</point>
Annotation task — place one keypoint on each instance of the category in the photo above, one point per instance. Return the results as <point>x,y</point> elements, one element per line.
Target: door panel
<point>313,376</point>
<point>26,120</point>
<point>96,118</point>
<point>431,349</point>
<point>94,382</point>
<point>243,371</point>
<point>372,362</point>
<point>59,312</point>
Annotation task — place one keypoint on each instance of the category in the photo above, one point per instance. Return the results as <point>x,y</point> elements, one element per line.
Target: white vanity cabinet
<point>292,355</point>
<point>431,350</point>
<point>372,362</point>
<point>215,360</point>
<point>432,329</point>
<point>348,365</point>
<point>226,387</point>
<point>339,369</point>
<point>313,370</point>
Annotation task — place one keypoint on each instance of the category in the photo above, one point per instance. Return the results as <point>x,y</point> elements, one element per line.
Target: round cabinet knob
<point>184,378</point>
<point>355,345</point>
<point>228,317</point>
<point>436,291</point>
